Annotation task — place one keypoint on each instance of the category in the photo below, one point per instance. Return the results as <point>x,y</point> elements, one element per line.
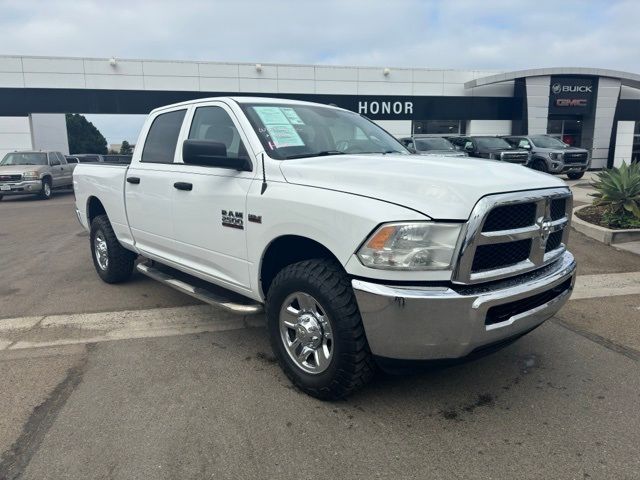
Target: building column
<point>624,143</point>
<point>608,94</point>
<point>15,134</point>
<point>537,104</point>
<point>49,132</point>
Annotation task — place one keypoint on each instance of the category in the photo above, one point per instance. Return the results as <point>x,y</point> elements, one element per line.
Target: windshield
<point>16,158</point>
<point>296,131</point>
<point>493,143</point>
<point>435,143</point>
<point>544,141</point>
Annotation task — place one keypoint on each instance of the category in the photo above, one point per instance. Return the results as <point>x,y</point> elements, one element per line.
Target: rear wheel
<point>113,262</point>
<point>575,175</point>
<point>540,166</point>
<point>316,330</point>
<point>45,192</point>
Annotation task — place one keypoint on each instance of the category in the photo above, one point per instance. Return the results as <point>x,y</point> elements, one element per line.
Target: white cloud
<point>458,34</point>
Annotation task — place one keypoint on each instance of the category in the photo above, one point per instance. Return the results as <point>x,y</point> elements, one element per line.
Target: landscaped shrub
<point>618,190</point>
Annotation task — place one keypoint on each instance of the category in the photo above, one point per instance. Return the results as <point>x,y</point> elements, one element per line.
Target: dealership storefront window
<point>451,127</point>
<point>567,130</point>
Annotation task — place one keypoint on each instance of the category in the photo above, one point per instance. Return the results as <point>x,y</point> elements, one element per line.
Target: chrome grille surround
<point>538,232</point>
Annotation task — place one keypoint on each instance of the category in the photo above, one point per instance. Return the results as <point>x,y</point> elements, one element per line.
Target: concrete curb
<point>602,234</point>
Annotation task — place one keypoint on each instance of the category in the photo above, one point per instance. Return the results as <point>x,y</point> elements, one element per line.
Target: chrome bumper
<point>425,323</point>
<point>21,188</point>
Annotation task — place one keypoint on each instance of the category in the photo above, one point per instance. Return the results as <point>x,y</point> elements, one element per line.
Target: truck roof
<point>243,100</point>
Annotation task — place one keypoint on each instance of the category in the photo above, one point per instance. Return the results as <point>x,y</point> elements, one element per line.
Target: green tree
<point>125,148</point>
<point>83,136</point>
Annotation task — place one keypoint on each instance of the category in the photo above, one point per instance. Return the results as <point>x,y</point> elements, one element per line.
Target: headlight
<point>411,246</point>
<point>555,156</point>
<point>31,176</point>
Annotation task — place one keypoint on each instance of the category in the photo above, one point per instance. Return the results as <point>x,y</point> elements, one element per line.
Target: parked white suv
<point>362,253</point>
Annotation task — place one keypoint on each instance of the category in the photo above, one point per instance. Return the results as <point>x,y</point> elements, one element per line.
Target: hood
<point>19,169</point>
<point>443,153</point>
<point>435,186</point>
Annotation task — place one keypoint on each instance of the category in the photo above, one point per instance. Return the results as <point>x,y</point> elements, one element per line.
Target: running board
<point>235,305</point>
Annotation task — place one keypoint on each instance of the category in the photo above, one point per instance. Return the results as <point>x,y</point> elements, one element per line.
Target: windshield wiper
<point>324,153</point>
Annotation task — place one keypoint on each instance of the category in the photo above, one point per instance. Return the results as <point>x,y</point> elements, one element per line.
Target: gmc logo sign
<point>571,102</point>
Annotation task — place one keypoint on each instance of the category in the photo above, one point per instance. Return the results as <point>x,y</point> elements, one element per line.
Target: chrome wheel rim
<point>47,189</point>
<point>305,332</point>
<point>100,248</point>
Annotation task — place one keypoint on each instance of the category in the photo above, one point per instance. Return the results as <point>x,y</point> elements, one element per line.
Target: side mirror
<point>212,154</point>
<point>468,147</point>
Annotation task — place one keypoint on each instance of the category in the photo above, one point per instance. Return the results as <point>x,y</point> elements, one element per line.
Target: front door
<point>209,220</point>
<point>149,187</point>
<point>57,170</point>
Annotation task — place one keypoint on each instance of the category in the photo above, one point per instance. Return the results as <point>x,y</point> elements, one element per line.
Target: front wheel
<point>540,166</point>
<point>113,262</point>
<point>575,175</point>
<point>316,330</point>
<point>45,191</point>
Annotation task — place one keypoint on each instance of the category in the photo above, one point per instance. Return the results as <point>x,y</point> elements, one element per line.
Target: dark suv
<point>548,154</point>
<point>494,148</point>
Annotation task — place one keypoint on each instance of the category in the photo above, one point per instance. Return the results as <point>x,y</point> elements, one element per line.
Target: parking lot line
<point>82,328</point>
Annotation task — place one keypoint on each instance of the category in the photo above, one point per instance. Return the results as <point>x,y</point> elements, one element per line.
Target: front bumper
<point>21,188</point>
<point>429,323</point>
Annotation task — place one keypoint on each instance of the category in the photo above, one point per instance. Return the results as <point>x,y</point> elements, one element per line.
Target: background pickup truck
<point>550,155</point>
<point>362,254</point>
<point>493,148</point>
<point>24,173</point>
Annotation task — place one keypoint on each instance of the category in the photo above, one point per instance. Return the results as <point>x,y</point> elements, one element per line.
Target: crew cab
<point>34,172</point>
<point>361,254</point>
<point>493,148</point>
<point>432,145</point>
<point>550,155</point>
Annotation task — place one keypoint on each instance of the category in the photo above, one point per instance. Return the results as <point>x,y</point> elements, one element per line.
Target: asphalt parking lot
<point>139,381</point>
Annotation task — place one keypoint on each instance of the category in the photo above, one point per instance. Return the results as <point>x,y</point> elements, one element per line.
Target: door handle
<point>134,180</point>
<point>183,186</point>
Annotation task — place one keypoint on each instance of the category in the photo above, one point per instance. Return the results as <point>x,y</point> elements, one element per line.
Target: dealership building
<point>593,108</point>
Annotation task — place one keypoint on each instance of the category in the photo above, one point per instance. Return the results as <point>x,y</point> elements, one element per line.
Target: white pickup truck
<point>362,254</point>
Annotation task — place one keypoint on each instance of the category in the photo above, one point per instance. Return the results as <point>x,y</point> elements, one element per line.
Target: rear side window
<point>160,145</point>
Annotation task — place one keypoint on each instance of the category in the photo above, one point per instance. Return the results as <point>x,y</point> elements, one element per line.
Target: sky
<point>458,34</point>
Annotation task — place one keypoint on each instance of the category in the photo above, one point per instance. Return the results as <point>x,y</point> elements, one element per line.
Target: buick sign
<point>571,95</point>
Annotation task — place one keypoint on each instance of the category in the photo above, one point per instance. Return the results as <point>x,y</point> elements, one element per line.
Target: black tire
<point>119,264</point>
<point>45,192</point>
<point>1,197</point>
<point>575,175</point>
<point>539,165</point>
<point>351,365</point>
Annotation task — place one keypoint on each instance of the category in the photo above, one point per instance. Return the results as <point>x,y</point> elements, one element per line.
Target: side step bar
<point>201,293</point>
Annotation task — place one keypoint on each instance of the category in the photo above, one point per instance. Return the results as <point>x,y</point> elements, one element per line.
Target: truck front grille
<point>579,157</point>
<point>513,233</point>
<point>515,157</point>
<point>10,178</point>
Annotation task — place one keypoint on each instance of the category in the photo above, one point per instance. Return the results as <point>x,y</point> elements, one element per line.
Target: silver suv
<point>550,155</point>
<point>24,173</point>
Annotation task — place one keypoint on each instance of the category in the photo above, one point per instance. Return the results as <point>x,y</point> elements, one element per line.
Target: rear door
<point>210,218</point>
<point>149,186</point>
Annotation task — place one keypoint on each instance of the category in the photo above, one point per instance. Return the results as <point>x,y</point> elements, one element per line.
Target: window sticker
<point>271,116</point>
<point>284,136</point>
<point>292,116</point>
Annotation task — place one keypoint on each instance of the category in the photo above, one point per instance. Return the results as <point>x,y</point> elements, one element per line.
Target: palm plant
<point>619,190</point>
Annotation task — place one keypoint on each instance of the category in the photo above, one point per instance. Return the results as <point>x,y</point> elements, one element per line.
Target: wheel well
<point>47,178</point>
<point>94,208</point>
<point>286,250</point>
